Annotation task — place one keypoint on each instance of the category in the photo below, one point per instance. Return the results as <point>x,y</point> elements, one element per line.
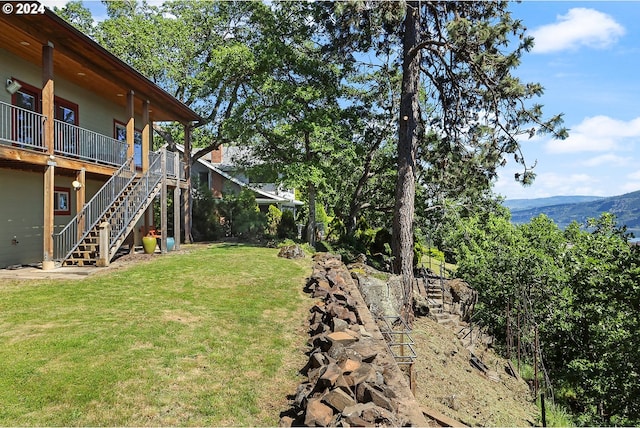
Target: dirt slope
<point>449,384</point>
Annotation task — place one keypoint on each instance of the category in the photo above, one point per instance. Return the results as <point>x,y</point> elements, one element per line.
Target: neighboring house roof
<point>265,196</point>
<point>79,59</point>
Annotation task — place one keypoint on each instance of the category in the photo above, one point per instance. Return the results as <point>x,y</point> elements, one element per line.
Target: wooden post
<point>131,129</point>
<point>81,196</point>
<point>177,195</point>
<point>104,257</point>
<point>412,379</point>
<point>186,196</point>
<point>544,411</point>
<point>146,136</point>
<point>163,201</point>
<point>49,173</point>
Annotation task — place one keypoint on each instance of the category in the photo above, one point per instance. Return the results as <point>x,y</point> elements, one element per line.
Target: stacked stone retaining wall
<point>351,378</point>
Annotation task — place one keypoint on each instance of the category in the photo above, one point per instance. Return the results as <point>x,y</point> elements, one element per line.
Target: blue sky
<point>586,56</point>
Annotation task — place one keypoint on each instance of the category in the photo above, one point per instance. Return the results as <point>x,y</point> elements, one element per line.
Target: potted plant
<point>149,243</point>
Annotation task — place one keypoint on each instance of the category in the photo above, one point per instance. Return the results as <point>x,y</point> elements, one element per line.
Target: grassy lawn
<point>211,337</point>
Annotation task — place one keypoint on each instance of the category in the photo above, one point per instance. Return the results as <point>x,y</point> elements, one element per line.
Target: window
<point>67,137</point>
<point>61,201</point>
<point>203,179</point>
<point>27,129</point>
<point>66,111</point>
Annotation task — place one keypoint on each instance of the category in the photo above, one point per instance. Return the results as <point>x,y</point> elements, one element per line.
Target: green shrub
<point>274,216</point>
<point>287,227</point>
<point>241,215</point>
<point>206,220</point>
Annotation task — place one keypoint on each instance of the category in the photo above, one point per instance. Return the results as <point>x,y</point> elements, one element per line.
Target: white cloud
<point>609,159</point>
<point>597,134</point>
<point>579,27</point>
<point>550,184</point>
<point>634,175</point>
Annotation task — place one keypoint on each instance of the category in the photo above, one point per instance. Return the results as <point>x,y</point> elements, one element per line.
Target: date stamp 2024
<point>22,8</point>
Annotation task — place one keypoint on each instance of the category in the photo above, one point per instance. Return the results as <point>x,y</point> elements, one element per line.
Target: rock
<point>349,365</point>
<point>291,252</point>
<point>338,399</point>
<point>339,324</point>
<point>286,421</point>
<point>357,409</point>
<point>367,393</point>
<point>342,337</point>
<point>330,375</point>
<point>364,373</point>
<point>379,416</point>
<point>318,414</point>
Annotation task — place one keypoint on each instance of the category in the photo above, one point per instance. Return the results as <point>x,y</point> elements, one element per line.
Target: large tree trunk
<point>402,242</point>
<point>311,189</point>
<point>187,198</point>
<point>311,227</point>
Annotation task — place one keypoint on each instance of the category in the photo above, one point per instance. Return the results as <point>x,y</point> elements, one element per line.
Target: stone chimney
<point>216,155</point>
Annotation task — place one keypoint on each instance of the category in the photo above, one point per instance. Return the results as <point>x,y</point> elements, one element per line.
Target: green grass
<point>434,264</point>
<point>208,338</point>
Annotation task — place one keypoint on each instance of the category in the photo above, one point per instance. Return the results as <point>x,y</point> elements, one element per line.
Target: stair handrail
<point>136,199</point>
<point>67,240</point>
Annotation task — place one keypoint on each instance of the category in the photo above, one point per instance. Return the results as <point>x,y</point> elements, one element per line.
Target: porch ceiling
<point>80,60</point>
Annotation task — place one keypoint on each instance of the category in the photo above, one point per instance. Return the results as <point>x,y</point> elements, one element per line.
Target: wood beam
<point>186,196</point>
<point>163,201</point>
<point>48,103</point>
<point>176,204</point>
<point>80,199</point>
<point>42,159</point>
<point>47,230</point>
<point>131,127</point>
<point>49,173</point>
<point>146,135</point>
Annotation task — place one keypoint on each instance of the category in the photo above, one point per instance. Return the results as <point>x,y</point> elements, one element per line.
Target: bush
<point>206,221</point>
<point>241,215</point>
<point>274,216</point>
<point>287,227</point>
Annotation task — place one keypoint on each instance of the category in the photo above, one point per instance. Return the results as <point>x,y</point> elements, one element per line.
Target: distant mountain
<point>523,204</point>
<point>625,207</point>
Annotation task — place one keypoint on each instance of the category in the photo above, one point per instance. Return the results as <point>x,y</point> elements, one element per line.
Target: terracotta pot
<point>149,244</point>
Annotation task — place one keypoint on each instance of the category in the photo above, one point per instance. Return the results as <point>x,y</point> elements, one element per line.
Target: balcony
<point>24,129</point>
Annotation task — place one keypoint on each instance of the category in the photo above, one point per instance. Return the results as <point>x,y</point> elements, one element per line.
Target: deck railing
<point>73,141</point>
<point>67,240</point>
<point>136,199</point>
<point>180,174</point>
<point>21,127</point>
<point>171,166</point>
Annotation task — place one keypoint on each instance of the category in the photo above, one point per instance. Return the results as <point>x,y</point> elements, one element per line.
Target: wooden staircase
<point>87,251</point>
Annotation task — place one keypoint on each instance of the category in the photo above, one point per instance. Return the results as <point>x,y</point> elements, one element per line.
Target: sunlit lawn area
<point>212,337</point>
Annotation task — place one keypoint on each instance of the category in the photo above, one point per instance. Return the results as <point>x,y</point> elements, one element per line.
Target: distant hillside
<point>625,207</point>
<point>523,204</point>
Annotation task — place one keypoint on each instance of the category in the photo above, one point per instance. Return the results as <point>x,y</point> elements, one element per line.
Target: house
<point>75,137</point>
<point>219,173</point>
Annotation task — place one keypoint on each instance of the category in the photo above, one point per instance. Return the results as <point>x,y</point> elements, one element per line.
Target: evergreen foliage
<point>579,289</point>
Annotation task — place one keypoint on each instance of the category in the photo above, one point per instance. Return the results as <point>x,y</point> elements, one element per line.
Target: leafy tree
<point>240,214</point>
<point>457,83</point>
<point>579,289</point>
<point>76,14</point>
<point>201,52</point>
<point>293,108</point>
